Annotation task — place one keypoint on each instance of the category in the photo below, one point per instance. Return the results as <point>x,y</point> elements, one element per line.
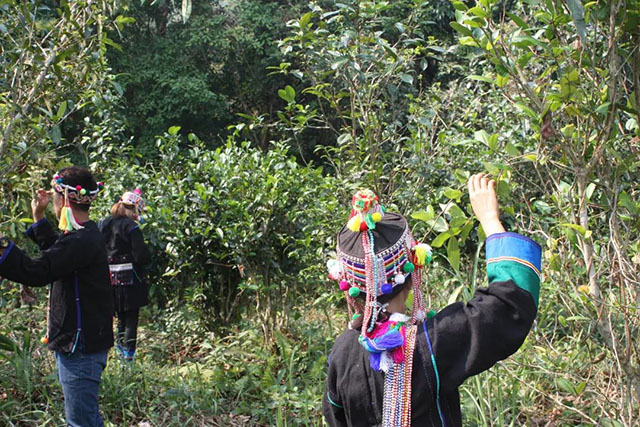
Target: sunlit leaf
<point>440,239</point>
<point>454,295</point>
<point>186,10</point>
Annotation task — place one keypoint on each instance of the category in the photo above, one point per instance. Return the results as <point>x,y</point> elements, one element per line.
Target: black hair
<point>75,175</point>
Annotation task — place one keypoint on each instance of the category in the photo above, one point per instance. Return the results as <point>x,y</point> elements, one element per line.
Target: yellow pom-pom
<point>44,340</point>
<point>423,253</point>
<point>354,224</point>
<point>376,217</point>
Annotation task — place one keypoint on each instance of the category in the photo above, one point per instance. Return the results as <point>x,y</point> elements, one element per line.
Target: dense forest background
<point>249,123</point>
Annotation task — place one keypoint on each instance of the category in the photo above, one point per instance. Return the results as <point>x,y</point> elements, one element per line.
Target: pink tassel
<point>398,355</point>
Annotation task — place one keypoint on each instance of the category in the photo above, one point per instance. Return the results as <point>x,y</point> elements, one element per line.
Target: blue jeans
<point>79,374</point>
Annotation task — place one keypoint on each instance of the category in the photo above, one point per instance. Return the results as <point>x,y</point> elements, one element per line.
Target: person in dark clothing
<point>129,257</point>
<point>80,305</point>
<point>390,369</point>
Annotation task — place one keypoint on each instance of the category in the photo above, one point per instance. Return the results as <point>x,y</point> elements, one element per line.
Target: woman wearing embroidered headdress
<point>79,320</point>
<point>129,257</point>
<point>393,369</point>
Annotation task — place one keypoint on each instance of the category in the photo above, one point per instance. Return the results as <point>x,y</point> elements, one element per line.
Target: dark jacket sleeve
<point>470,338</point>
<point>61,259</point>
<point>333,413</point>
<point>42,233</point>
<point>332,408</point>
<point>139,249</point>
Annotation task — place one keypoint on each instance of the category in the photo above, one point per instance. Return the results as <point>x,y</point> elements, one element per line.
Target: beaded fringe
<point>396,408</point>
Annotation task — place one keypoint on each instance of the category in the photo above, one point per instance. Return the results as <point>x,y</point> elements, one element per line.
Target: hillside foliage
<point>249,124</point>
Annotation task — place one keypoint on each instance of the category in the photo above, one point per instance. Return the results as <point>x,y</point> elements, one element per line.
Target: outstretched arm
<point>468,338</point>
<point>56,262</point>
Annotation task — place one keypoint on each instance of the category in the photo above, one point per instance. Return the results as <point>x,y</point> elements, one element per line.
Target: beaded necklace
<point>396,406</point>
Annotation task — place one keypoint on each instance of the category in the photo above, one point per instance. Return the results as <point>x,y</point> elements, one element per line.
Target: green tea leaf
<point>423,215</point>
<point>461,29</point>
<point>439,241</point>
<point>453,253</point>
<point>452,194</point>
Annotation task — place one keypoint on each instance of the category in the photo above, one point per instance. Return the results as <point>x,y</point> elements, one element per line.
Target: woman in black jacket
<point>394,370</point>
<point>129,257</point>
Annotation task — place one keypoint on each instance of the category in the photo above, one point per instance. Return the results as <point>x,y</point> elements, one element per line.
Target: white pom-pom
<point>334,267</point>
<point>399,279</point>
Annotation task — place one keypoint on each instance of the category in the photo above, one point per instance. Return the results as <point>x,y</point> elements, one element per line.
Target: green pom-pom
<point>83,191</point>
<point>429,258</point>
<point>354,291</point>
<point>431,313</point>
<point>408,267</point>
<point>371,224</point>
<point>355,316</point>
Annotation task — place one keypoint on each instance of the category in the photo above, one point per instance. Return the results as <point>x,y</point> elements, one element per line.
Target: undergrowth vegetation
<point>274,116</point>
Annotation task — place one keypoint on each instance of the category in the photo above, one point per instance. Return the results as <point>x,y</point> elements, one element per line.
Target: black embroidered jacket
<point>467,338</point>
<point>75,264</point>
<point>125,244</point>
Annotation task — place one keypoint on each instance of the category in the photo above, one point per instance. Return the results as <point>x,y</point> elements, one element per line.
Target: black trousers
<point>127,329</point>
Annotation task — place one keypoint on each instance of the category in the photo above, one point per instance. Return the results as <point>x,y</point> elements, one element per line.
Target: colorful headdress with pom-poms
<point>76,194</point>
<point>134,198</point>
<point>376,254</point>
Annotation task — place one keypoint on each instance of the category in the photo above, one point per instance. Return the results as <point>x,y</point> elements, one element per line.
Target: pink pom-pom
<point>344,285</point>
<point>78,187</point>
<point>138,191</point>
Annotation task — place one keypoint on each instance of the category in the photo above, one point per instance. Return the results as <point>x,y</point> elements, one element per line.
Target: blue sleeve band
<point>514,247</point>
<point>33,226</point>
<point>135,227</point>
<point>5,254</point>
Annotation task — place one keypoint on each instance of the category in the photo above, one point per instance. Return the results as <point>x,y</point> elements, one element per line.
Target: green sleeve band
<point>523,276</point>
<point>332,402</point>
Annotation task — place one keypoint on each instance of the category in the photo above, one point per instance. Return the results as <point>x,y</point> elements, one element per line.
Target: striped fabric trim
<point>518,260</point>
<point>510,246</point>
<point>396,260</point>
<point>391,264</point>
<point>388,260</point>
